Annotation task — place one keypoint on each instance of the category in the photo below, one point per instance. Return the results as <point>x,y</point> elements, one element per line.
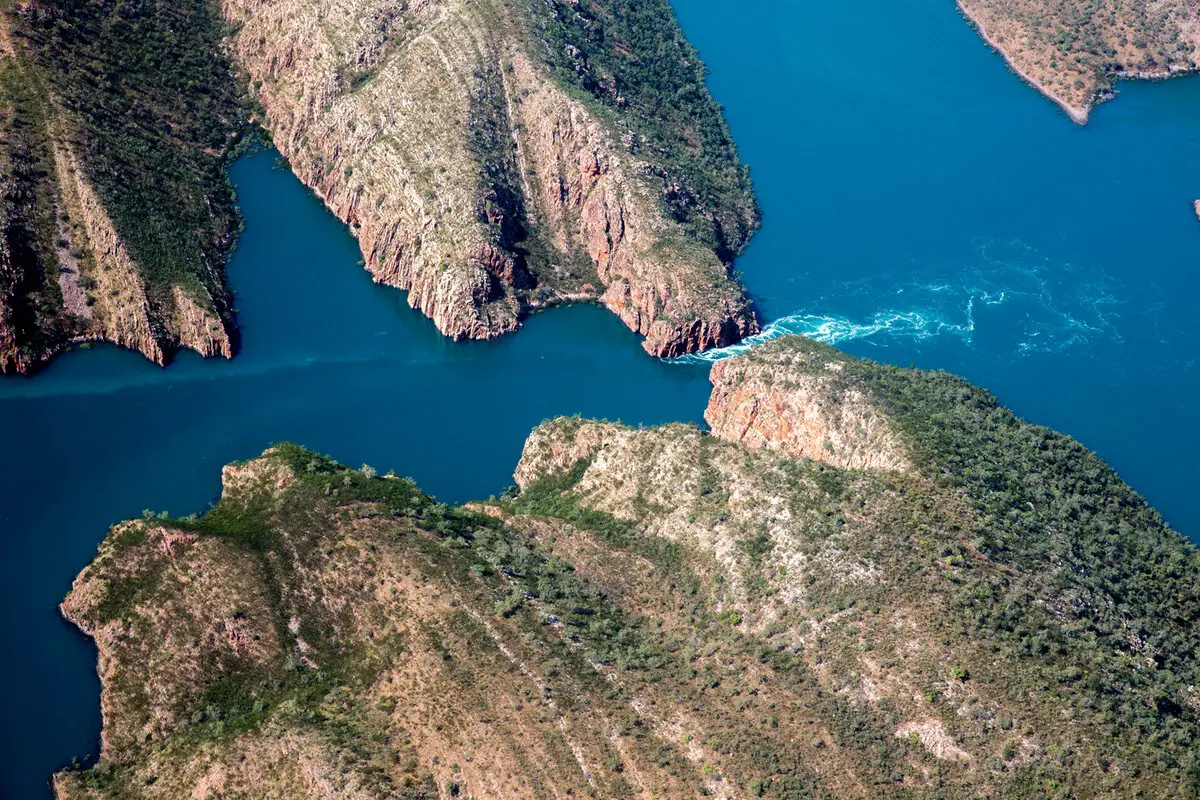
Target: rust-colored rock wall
<point>794,403</point>
<point>433,135</point>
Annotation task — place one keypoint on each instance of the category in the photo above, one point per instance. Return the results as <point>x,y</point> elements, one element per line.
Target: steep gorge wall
<point>469,176</point>
<point>593,197</point>
<point>69,272</point>
<point>794,403</point>
<point>662,613</point>
<point>10,358</point>
<point>369,103</point>
<point>473,175</point>
<point>124,314</point>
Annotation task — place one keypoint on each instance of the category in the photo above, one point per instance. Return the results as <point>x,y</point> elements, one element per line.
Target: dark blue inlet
<point>922,206</point>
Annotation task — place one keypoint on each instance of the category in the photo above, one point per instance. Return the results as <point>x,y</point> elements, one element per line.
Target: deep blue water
<point>922,206</point>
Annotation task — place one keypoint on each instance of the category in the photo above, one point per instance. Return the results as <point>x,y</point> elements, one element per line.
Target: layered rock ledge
<point>491,163</point>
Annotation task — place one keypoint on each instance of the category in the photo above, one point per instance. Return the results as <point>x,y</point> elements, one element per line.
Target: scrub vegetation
<point>150,106</point>
<point>517,196</point>
<point>1075,50</point>
<point>31,302</point>
<point>631,62</point>
<point>1098,593</point>
<point>662,613</point>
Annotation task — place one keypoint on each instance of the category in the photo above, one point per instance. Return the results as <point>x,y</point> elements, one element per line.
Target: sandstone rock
<point>448,149</point>
<point>67,273</point>
<point>651,598</point>
<point>795,402</point>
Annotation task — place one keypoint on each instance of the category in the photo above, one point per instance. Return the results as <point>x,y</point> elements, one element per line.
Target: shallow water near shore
<point>922,206</point>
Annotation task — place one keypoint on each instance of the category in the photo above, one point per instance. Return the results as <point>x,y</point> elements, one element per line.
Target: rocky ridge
<point>492,158</point>
<point>68,270</point>
<point>664,613</point>
<point>479,182</point>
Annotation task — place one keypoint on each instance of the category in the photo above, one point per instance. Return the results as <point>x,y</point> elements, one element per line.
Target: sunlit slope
<point>866,582</point>
<point>497,157</point>
<point>1074,51</point>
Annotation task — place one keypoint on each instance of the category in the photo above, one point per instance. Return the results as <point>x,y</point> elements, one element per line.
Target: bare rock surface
<point>471,176</point>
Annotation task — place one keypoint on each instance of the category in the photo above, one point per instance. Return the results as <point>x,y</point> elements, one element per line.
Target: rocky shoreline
<point>1077,70</point>
<point>852,581</point>
<point>450,208</point>
<point>474,176</point>
<point>1076,113</point>
<point>104,237</point>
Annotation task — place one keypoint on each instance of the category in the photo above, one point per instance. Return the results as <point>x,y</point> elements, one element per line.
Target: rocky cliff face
<point>10,356</point>
<point>492,158</point>
<point>120,310</point>
<point>472,177</point>
<point>87,256</point>
<point>1074,51</point>
<point>798,404</point>
<point>988,611</point>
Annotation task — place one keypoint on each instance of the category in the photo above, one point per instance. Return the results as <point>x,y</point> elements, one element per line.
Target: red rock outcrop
<point>793,401</point>
<point>431,133</point>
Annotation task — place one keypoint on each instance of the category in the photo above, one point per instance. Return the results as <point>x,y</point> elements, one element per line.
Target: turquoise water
<point>329,360</point>
<point>922,206</point>
<point>925,206</point>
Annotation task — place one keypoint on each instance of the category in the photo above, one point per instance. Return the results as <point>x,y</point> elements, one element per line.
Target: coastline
<point>1079,115</point>
<point>1164,74</point>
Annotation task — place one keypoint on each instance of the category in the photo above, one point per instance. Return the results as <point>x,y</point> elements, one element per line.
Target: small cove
<point>922,206</point>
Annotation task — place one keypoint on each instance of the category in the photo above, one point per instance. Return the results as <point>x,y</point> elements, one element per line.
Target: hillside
<point>115,210</point>
<point>1073,51</point>
<point>494,157</point>
<point>865,582</point>
<point>491,157</point>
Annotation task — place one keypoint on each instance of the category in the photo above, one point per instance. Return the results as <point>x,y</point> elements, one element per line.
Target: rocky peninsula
<point>865,581</point>
<point>1074,51</point>
<point>495,157</point>
<point>491,157</point>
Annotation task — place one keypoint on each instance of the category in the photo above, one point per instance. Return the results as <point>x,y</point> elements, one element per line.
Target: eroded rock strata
<point>497,157</point>
<point>491,157</point>
<point>764,611</point>
<point>1073,51</point>
<point>115,211</point>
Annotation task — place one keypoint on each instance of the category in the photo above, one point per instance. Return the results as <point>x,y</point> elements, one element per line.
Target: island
<point>1074,51</point>
<point>492,157</point>
<point>862,581</point>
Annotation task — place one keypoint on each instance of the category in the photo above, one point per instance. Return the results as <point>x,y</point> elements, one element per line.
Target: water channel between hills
<point>921,206</point>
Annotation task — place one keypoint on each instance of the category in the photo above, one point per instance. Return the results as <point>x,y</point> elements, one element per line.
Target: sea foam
<point>1013,302</point>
